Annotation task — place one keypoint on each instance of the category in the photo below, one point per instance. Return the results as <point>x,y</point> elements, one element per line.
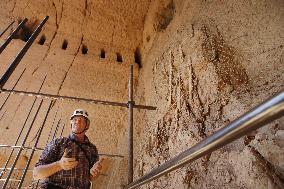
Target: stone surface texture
<point>203,63</point>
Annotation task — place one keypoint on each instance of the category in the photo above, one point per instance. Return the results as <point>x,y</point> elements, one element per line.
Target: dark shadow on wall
<point>25,33</point>
<point>164,17</point>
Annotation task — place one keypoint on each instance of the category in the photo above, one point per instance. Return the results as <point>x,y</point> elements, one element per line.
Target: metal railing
<point>264,113</point>
<point>4,78</point>
<point>21,149</point>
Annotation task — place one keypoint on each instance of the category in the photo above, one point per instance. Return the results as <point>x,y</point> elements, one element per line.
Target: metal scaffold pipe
<point>35,146</point>
<point>62,129</point>
<point>259,116</point>
<point>6,99</point>
<point>52,125</point>
<point>7,28</point>
<point>13,147</point>
<point>102,102</point>
<point>6,163</point>
<point>9,39</point>
<point>130,122</point>
<point>1,168</point>
<point>56,129</point>
<point>21,54</point>
<point>20,150</point>
<point>26,147</point>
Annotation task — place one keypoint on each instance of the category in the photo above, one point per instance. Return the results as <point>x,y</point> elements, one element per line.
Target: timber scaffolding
<point>266,112</point>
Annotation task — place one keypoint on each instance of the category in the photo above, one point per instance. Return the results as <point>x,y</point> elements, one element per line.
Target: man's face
<point>78,124</point>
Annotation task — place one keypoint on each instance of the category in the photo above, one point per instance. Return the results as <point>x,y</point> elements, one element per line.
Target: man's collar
<point>73,137</point>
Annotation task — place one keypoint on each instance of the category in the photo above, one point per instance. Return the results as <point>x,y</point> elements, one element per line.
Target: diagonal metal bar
<point>7,28</point>
<point>7,161</point>
<point>9,39</point>
<point>6,99</point>
<point>34,147</point>
<point>62,129</point>
<point>53,123</point>
<point>19,104</point>
<point>20,150</point>
<point>21,54</point>
<point>264,113</point>
<point>56,129</point>
<point>15,176</point>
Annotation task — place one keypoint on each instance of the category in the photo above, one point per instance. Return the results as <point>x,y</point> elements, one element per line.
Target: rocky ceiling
<point>116,23</point>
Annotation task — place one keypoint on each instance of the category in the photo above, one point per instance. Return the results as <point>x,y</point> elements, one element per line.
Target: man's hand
<point>67,163</point>
<point>95,170</point>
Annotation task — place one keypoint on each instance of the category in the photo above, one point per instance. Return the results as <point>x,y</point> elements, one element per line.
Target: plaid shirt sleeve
<point>50,154</point>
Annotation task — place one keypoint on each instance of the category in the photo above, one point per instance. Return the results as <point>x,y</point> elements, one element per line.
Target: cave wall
<point>84,50</point>
<point>205,63</point>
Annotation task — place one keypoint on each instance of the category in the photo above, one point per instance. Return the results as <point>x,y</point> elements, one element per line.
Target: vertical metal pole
<point>130,122</point>
<point>21,54</point>
<point>7,28</point>
<point>9,39</point>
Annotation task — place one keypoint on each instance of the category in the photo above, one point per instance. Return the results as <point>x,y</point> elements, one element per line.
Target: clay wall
<point>205,63</point>
<point>85,50</point>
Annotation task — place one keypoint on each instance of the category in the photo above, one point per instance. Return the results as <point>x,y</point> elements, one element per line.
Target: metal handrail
<point>264,113</point>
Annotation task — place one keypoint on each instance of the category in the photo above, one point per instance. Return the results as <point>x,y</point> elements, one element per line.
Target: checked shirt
<point>85,153</point>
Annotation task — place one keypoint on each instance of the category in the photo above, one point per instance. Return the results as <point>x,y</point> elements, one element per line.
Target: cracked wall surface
<point>205,64</point>
<point>66,59</point>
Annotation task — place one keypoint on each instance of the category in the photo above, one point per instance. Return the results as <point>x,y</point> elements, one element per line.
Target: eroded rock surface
<point>202,63</point>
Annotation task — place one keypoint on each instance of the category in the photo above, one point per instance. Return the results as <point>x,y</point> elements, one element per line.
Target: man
<point>69,163</point>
